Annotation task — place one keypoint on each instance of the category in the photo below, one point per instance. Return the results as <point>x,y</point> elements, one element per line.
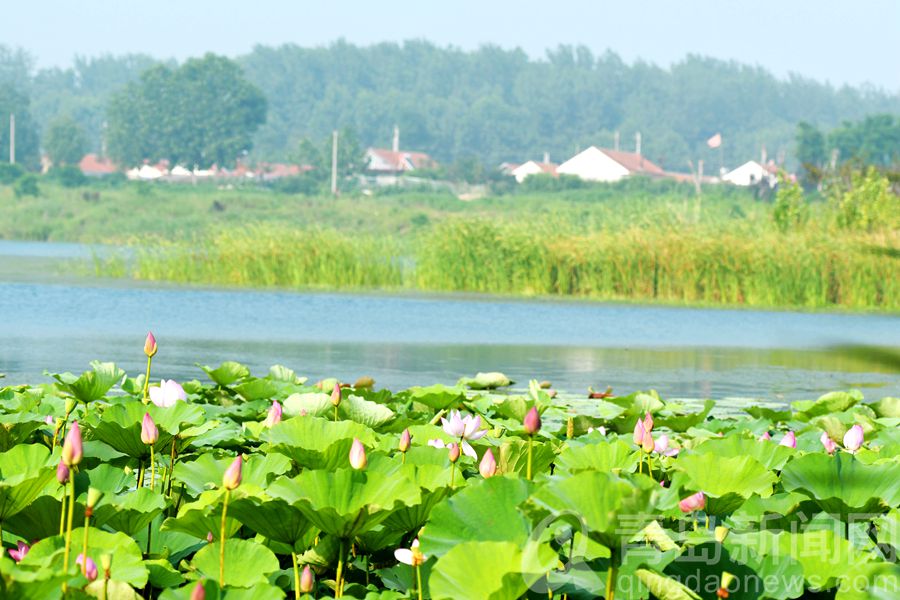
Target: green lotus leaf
<point>162,575</point>
<point>489,570</point>
<point>485,511</point>
<point>91,385</point>
<point>246,563</point>
<point>285,375</point>
<point>772,456</point>
<point>378,538</point>
<point>317,443</point>
<point>603,456</point>
<point>514,407</point>
<point>726,481</point>
<point>323,554</point>
<point>110,480</point>
<point>131,512</point>
<point>609,508</point>
<point>888,528</point>
<point>314,404</point>
<point>39,519</point>
<point>485,381</point>
<point>227,373</point>
<point>841,483</point>
<point>665,588</point>
<point>683,422</point>
<point>273,518</point>
<point>206,471</point>
<point>638,404</point>
<point>224,433</point>
<point>25,471</point>
<point>437,397</point>
<point>127,565</point>
<point>872,581</point>
<point>23,583</point>
<point>365,412</point>
<point>204,516</point>
<point>887,408</point>
<point>346,502</point>
<point>17,428</point>
<point>831,403</point>
<point>256,389</point>
<point>775,416</point>
<point>513,457</point>
<point>433,481</point>
<point>120,425</point>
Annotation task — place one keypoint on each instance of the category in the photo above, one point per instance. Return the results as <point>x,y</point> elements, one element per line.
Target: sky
<point>852,42</point>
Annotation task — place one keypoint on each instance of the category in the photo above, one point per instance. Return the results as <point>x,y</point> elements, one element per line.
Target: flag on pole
<point>715,141</point>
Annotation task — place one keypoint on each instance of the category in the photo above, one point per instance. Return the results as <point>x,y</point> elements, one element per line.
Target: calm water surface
<point>52,320</point>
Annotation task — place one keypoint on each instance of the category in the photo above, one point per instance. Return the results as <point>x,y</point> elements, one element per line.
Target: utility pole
<point>12,139</point>
<point>616,141</point>
<point>637,143</point>
<point>334,143</point>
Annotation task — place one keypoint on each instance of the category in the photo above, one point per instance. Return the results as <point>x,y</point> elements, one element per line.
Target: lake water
<point>52,319</point>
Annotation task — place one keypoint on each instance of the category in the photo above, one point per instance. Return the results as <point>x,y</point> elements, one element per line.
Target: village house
<point>532,167</point>
<point>94,166</point>
<point>752,173</point>
<point>602,164</point>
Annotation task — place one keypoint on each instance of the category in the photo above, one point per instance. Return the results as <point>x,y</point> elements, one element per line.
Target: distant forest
<point>492,104</point>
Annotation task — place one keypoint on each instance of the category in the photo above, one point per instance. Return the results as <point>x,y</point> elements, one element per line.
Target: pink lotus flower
<point>765,437</point>
<point>532,421</point>
<point>167,393</point>
<point>693,502</point>
<point>828,443</point>
<point>149,431</point>
<point>20,552</point>
<point>62,473</point>
<point>854,438</point>
<point>307,580</point>
<point>405,441</point>
<point>232,477</point>
<point>150,347</point>
<point>464,429</point>
<point>199,592</point>
<point>358,458</point>
<point>453,452</point>
<point>88,567</point>
<point>661,446</point>
<point>274,416</point>
<point>488,466</point>
<point>411,556</point>
<point>789,440</point>
<point>437,443</point>
<point>72,451</point>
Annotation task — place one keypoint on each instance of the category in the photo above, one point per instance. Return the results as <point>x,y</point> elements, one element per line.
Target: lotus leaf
<point>246,564</point>
<point>726,481</point>
<point>485,381</point>
<point>24,472</point>
<point>91,385</point>
<point>317,443</point>
<point>227,373</point>
<point>603,456</point>
<point>841,483</point>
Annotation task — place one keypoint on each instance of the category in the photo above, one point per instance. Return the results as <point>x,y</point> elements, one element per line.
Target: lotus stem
<point>707,521</point>
<point>84,552</point>
<point>641,461</point>
<point>549,589</point>
<point>650,465</point>
<point>147,381</point>
<point>140,477</point>
<point>296,575</point>
<point>339,576</point>
<point>530,449</point>
<point>56,431</point>
<point>62,514</point>
<point>171,470</point>
<point>611,581</point>
<point>419,581</point>
<point>403,458</point>
<point>452,474</point>
<point>149,532</point>
<point>152,471</point>
<point>335,414</point>
<point>222,539</point>
<point>69,525</point>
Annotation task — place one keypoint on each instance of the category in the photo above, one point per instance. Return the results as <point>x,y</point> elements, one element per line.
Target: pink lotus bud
<point>532,421</point>
<point>488,466</point>
<point>336,394</point>
<point>829,444</point>
<point>209,537</point>
<point>648,422</point>
<point>765,437</point>
<point>789,440</point>
<point>274,416</point>
<point>358,458</point>
<point>149,431</point>
<point>150,346</point>
<point>72,451</point>
<point>232,477</point>
<point>693,502</point>
<point>647,443</point>
<point>49,420</point>
<point>62,473</point>
<point>853,439</point>
<point>307,580</point>
<point>638,436</point>
<point>405,440</point>
<point>453,452</point>
<point>20,552</point>
<point>88,567</point>
<point>199,592</point>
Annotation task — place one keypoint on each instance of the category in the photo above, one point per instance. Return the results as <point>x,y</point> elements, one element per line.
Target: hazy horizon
<point>841,43</point>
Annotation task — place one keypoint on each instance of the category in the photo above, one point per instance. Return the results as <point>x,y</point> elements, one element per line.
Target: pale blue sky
<point>840,41</point>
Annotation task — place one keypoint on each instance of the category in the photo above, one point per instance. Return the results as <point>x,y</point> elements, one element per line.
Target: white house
<point>532,167</point>
<point>602,164</point>
<point>751,173</point>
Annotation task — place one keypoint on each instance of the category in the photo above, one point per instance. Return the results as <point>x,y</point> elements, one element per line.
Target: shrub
<point>10,173</point>
<point>790,210</point>
<point>27,185</point>
<point>68,176</point>
<point>868,204</point>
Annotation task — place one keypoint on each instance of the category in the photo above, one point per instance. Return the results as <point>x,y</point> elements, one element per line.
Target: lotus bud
<point>49,420</point>
<point>150,347</point>
<point>647,443</point>
<point>488,466</point>
<point>62,473</point>
<point>274,416</point>
<point>232,477</point>
<point>21,550</point>
<point>336,394</point>
<point>532,421</point>
<point>828,443</point>
<point>106,563</point>
<point>693,502</point>
<point>638,435</point>
<point>405,441</point>
<point>789,440</point>
<point>853,439</point>
<point>199,592</point>
<point>93,497</point>
<point>358,458</point>
<point>765,437</point>
<point>648,422</point>
<point>209,537</point>
<point>726,581</point>
<point>149,431</point>
<point>721,533</point>
<point>453,452</point>
<point>71,403</point>
<point>307,580</point>
<point>88,566</point>
<point>72,450</point>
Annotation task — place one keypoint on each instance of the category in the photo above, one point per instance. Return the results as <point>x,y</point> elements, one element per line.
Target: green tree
<point>873,141</point>
<point>811,153</point>
<point>15,102</point>
<point>201,113</point>
<point>65,142</point>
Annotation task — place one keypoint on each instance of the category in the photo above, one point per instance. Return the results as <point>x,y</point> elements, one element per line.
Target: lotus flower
<point>405,441</point>
<point>336,394</point>
<point>20,552</point>
<point>488,466</point>
<point>199,592</point>
<point>62,473</point>
<point>601,429</point>
<point>437,443</point>
<point>49,420</point>
<point>661,446</point>
<point>232,477</point>
<point>307,580</point>
<point>411,556</point>
<point>150,347</point>
<point>693,502</point>
<point>465,429</point>
<point>853,439</point>
<point>149,431</point>
<point>358,458</point>
<point>789,440</point>
<point>765,437</point>
<point>72,451</point>
<point>88,566</point>
<point>532,421</point>
<point>274,416</point>
<point>829,444</point>
<point>167,394</point>
<point>453,452</point>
